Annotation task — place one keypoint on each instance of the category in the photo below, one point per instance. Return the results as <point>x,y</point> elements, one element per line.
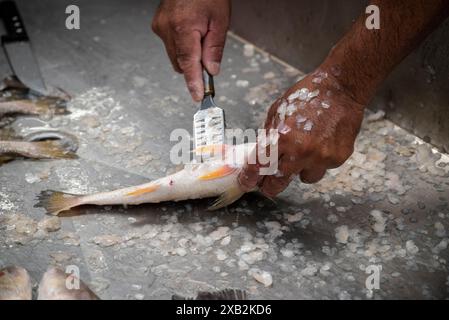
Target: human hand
<point>317,120</point>
<point>194,34</point>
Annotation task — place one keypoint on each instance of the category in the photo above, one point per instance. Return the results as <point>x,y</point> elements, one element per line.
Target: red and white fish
<point>216,177</point>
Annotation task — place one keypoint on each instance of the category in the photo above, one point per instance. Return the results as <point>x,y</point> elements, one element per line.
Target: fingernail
<point>214,68</point>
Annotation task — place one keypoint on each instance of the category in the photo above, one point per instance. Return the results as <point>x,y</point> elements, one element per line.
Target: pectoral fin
<point>229,196</point>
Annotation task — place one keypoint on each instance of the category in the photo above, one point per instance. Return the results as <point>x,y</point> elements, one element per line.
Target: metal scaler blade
<point>208,122</point>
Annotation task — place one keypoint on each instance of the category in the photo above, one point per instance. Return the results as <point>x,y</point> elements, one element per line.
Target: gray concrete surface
<point>415,95</point>
<point>387,206</point>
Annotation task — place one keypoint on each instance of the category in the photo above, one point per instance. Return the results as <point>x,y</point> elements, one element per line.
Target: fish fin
<point>139,192</point>
<point>226,294</point>
<point>218,173</point>
<point>54,201</point>
<point>229,196</point>
<point>51,149</point>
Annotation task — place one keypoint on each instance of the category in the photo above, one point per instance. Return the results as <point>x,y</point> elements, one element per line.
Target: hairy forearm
<point>363,58</point>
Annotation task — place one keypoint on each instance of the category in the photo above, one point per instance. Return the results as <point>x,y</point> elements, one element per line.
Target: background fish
<point>53,286</point>
<point>51,149</point>
<point>15,284</point>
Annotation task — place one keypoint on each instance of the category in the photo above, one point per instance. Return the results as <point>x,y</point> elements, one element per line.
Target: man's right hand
<point>194,34</point>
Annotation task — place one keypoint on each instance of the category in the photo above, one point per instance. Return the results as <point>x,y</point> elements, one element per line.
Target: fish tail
<point>51,149</point>
<point>54,201</point>
<point>229,196</point>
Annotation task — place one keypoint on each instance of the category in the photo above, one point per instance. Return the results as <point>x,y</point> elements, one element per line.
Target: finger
<point>249,177</point>
<point>213,45</point>
<point>275,184</point>
<point>171,52</point>
<point>272,185</point>
<point>312,175</point>
<point>188,56</point>
<point>159,25</point>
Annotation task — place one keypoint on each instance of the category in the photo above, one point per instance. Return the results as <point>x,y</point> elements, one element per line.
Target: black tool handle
<point>15,29</point>
<point>208,80</point>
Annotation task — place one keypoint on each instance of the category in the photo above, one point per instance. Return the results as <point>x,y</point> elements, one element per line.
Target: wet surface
<point>387,206</point>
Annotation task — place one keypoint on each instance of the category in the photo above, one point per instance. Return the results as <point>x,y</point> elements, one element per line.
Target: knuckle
<point>326,154</point>
<point>216,50</point>
<point>179,24</point>
<point>185,61</point>
<point>334,158</point>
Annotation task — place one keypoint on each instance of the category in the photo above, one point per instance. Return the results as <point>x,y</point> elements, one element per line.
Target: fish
<point>216,177</point>
<point>15,97</point>
<point>41,106</point>
<point>54,286</point>
<point>49,149</point>
<point>15,284</point>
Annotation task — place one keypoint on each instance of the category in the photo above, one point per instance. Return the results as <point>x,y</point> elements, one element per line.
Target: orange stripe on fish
<point>139,192</point>
<point>218,173</point>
